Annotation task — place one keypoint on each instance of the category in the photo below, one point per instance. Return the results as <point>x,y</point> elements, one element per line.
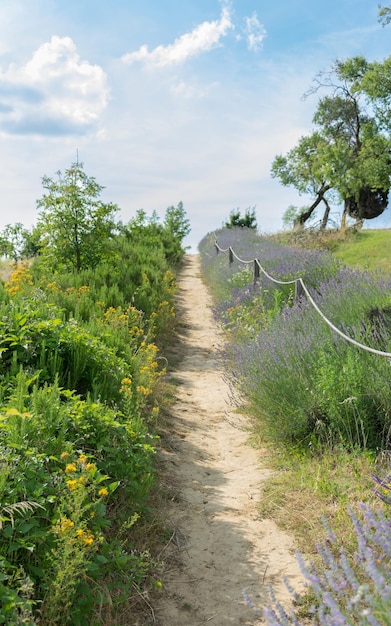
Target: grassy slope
<point>367,249</point>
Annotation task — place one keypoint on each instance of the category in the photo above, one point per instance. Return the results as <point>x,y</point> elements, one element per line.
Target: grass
<point>305,489</point>
<point>367,249</point>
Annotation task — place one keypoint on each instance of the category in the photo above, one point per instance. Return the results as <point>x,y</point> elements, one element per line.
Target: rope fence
<point>300,291</point>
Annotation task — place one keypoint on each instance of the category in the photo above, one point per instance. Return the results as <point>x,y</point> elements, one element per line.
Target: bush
<point>304,382</point>
<point>77,404</point>
<point>346,589</point>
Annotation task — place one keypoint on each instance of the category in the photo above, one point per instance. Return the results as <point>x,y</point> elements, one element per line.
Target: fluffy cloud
<point>203,38</point>
<point>255,32</point>
<point>54,93</point>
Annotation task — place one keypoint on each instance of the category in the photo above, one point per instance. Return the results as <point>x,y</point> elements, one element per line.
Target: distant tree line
<point>248,220</point>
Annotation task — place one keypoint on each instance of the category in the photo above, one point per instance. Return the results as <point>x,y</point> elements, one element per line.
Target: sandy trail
<point>220,546</point>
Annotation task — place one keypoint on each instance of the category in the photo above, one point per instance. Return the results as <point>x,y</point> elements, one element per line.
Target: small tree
<point>76,227</point>
<point>13,241</point>
<point>176,222</point>
<point>248,221</point>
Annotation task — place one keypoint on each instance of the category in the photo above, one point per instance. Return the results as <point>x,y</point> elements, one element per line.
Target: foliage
<point>292,216</point>
<point>305,384</point>
<point>346,158</point>
<point>384,15</point>
<point>78,397</point>
<point>294,371</point>
<point>75,226</point>
<point>248,220</point>
<point>346,589</point>
<point>176,223</point>
<point>14,242</point>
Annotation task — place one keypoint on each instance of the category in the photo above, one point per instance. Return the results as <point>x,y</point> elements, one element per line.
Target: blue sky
<point>168,100</point>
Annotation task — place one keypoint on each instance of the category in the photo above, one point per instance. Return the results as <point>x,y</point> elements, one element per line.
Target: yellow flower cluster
<point>65,524</point>
<point>169,280</point>
<point>70,468</point>
<point>126,386</point>
<point>86,536</point>
<point>79,291</point>
<point>144,391</point>
<point>80,472</point>
<point>52,286</point>
<point>66,527</point>
<point>131,319</point>
<point>20,280</point>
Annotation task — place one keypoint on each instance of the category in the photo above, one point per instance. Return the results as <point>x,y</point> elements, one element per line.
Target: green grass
<point>367,249</point>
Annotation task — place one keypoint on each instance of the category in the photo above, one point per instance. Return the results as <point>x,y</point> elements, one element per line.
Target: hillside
<point>365,249</point>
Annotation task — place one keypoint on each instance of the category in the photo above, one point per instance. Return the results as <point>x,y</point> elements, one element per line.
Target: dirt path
<point>219,547</point>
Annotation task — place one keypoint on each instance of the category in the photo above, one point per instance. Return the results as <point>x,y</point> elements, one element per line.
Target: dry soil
<point>220,549</point>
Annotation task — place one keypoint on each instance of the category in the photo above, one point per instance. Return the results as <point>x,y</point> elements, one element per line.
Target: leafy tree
<point>304,168</point>
<point>32,243</point>
<point>292,216</point>
<point>249,219</point>
<point>176,222</point>
<point>376,84</point>
<point>347,157</point>
<point>13,241</point>
<point>384,15</point>
<point>75,226</point>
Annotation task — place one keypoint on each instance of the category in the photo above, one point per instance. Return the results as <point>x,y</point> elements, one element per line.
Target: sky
<point>168,101</point>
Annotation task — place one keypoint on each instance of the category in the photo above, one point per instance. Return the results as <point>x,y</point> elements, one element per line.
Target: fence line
<point>300,291</point>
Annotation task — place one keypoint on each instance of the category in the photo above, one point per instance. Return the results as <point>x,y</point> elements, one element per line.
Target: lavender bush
<point>346,589</point>
<point>302,379</point>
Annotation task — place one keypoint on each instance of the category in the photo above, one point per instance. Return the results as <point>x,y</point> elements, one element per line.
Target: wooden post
<point>299,291</point>
<point>256,272</point>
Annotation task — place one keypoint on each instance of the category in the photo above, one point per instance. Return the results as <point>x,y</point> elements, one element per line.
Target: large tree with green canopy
<point>348,154</point>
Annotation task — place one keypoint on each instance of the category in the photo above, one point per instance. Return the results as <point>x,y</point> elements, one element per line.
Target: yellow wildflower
<point>65,524</point>
<point>103,492</point>
<point>85,536</point>
<point>72,484</point>
<point>145,391</point>
<point>70,468</point>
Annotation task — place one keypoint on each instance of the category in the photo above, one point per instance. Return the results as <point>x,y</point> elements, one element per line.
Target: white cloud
<point>255,32</point>
<point>54,93</point>
<point>201,39</point>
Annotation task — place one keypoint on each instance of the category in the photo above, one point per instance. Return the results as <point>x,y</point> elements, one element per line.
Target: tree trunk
<point>325,215</point>
<point>319,197</point>
<point>343,220</point>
